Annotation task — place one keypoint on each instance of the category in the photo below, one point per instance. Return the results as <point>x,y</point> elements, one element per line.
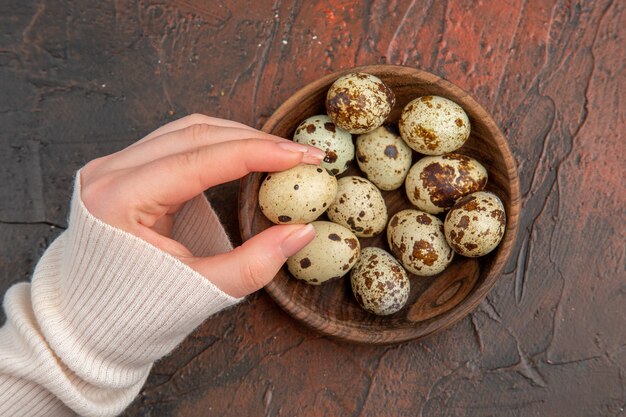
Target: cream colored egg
<point>434,125</point>
<point>475,225</point>
<point>379,283</point>
<point>359,102</point>
<point>359,206</point>
<point>383,157</point>
<point>417,240</point>
<point>298,195</point>
<point>330,255</point>
<point>435,183</point>
<point>321,132</point>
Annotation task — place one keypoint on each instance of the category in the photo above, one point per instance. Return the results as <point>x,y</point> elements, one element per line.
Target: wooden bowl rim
<point>339,329</point>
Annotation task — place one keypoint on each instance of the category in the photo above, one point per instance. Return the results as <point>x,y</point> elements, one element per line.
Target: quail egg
<point>359,206</point>
<point>383,157</point>
<point>434,125</point>
<point>417,240</point>
<point>330,255</point>
<point>298,195</point>
<point>379,283</point>
<point>475,225</point>
<point>321,132</point>
<point>434,183</point>
<point>359,102</point>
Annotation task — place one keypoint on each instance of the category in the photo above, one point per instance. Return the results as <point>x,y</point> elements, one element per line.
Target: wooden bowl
<point>435,303</point>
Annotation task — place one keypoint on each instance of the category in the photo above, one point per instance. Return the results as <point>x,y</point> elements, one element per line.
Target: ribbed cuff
<point>118,303</point>
<point>198,228</point>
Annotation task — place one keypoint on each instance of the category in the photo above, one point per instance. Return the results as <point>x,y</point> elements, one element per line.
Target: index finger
<point>177,178</point>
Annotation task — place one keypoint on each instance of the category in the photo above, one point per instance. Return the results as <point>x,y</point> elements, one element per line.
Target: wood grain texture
<point>435,303</point>
<point>79,80</point>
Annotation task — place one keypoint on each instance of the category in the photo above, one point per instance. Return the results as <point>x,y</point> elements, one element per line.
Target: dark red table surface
<point>83,79</point>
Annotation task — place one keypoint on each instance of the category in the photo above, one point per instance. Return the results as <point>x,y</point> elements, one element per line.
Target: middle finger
<point>179,141</point>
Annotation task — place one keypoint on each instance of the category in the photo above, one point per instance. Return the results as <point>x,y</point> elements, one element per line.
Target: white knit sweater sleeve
<point>102,307</point>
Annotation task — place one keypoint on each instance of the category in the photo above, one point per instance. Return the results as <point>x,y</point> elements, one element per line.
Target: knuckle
<point>198,132</point>
<point>197,118</point>
<point>253,274</point>
<point>191,158</point>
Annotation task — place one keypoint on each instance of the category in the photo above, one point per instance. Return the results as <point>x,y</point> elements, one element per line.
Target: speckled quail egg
<point>321,132</point>
<point>298,195</point>
<point>434,125</point>
<point>330,255</point>
<point>475,225</point>
<point>383,157</point>
<point>359,206</point>
<point>379,283</point>
<point>417,240</point>
<point>359,102</point>
<point>434,183</point>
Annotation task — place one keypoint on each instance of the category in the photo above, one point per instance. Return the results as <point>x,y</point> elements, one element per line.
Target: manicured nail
<point>297,240</point>
<point>312,155</point>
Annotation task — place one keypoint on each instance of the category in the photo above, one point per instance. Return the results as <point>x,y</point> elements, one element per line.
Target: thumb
<point>254,264</point>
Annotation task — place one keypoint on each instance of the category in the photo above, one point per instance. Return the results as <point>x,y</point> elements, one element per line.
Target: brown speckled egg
<point>321,132</point>
<point>359,102</point>
<point>417,240</point>
<point>435,183</point>
<point>359,206</point>
<point>330,255</point>
<point>383,157</point>
<point>434,125</point>
<point>298,195</point>
<point>379,283</point>
<point>475,225</point>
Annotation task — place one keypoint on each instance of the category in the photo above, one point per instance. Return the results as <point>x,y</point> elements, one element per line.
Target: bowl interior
<point>435,302</point>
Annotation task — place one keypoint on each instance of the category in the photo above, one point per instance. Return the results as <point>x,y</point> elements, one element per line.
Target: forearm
<point>102,307</point>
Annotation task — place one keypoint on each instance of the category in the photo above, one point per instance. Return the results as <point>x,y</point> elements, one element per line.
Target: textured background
<point>79,79</point>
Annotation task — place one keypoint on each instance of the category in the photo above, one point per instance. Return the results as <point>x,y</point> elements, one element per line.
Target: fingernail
<point>312,155</point>
<point>297,240</point>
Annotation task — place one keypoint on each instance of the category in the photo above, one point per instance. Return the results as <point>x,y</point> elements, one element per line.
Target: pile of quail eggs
<point>442,181</point>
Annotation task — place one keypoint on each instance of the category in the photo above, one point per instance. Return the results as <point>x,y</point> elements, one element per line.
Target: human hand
<point>140,188</point>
